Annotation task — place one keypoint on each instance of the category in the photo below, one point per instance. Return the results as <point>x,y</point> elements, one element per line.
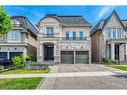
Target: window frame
<point>81,34</point>
<point>67,35</point>
<point>13,38</point>
<point>73,35</point>
<point>49,33</point>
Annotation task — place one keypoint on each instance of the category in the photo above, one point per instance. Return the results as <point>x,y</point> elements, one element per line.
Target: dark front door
<point>116,52</point>
<point>49,52</point>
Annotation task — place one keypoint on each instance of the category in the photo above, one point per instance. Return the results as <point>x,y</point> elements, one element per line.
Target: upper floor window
<point>73,35</point>
<point>1,37</point>
<point>49,31</point>
<point>67,35</point>
<point>81,35</point>
<point>114,33</point>
<point>15,22</point>
<point>119,32</point>
<point>15,36</point>
<point>109,32</point>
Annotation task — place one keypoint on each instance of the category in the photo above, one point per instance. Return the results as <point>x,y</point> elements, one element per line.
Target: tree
<point>5,22</point>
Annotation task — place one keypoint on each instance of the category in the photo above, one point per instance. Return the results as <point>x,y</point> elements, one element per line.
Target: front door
<point>116,52</point>
<point>49,52</point>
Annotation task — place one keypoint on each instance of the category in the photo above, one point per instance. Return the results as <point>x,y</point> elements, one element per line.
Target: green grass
<point>120,67</point>
<point>23,71</point>
<point>20,83</point>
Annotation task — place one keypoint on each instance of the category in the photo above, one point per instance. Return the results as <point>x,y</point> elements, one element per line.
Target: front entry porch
<point>116,50</point>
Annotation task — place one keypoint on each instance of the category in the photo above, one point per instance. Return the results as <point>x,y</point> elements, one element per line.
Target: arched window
<point>15,22</point>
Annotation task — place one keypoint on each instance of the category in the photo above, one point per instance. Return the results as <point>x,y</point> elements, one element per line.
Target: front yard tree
<point>5,21</point>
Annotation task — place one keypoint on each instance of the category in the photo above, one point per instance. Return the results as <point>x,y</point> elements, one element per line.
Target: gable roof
<point>69,20</point>
<point>102,23</point>
<point>26,24</point>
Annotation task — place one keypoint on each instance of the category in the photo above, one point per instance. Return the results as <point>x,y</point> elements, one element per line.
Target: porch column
<point>112,51</point>
<point>25,52</point>
<point>40,49</point>
<point>126,52</point>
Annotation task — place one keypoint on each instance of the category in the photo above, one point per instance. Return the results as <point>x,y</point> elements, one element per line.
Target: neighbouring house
<point>20,40</point>
<point>109,39</point>
<point>64,39</point>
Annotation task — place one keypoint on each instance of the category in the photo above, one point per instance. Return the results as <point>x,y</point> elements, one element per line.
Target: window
<point>15,36</point>
<point>119,33</point>
<point>80,35</point>
<point>114,32</point>
<point>49,31</point>
<point>15,22</point>
<point>67,35</point>
<point>1,37</point>
<point>73,35</point>
<point>109,32</point>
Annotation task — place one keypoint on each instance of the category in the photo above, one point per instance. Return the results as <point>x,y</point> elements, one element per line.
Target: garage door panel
<point>13,54</point>
<point>81,57</point>
<point>3,55</point>
<point>67,57</point>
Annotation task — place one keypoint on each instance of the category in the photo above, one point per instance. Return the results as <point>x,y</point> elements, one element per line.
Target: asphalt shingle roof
<point>70,20</point>
<point>26,24</point>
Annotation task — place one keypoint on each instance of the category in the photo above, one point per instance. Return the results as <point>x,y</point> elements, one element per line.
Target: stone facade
<point>58,39</point>
<point>111,40</point>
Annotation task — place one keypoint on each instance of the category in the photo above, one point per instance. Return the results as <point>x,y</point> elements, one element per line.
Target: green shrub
<point>106,61</point>
<point>18,60</point>
<point>30,57</point>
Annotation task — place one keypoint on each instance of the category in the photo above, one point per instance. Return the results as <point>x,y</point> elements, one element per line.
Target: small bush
<point>30,57</point>
<point>106,61</point>
<point>18,60</point>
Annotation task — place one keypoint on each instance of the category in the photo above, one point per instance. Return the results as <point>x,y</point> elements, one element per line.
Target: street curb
<point>40,83</point>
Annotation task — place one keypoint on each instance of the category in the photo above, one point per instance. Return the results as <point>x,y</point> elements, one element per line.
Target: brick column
<point>112,51</point>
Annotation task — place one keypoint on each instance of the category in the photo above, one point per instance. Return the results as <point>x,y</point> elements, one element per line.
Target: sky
<point>92,14</point>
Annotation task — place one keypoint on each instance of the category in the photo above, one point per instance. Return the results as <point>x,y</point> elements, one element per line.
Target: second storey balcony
<point>75,39</point>
<point>47,37</point>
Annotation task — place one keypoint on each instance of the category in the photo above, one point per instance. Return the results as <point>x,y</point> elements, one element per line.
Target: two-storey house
<point>20,40</point>
<point>109,39</point>
<point>64,39</point>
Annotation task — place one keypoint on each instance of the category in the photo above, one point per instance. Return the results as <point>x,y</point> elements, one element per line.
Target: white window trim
<point>13,39</point>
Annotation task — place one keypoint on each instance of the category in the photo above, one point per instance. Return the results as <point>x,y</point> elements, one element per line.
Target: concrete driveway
<point>85,82</point>
<point>81,68</point>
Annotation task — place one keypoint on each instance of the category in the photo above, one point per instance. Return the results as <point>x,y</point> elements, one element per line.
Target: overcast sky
<point>91,13</point>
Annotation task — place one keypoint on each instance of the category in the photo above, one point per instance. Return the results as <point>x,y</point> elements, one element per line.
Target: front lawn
<point>120,67</point>
<point>25,71</point>
<point>20,83</point>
